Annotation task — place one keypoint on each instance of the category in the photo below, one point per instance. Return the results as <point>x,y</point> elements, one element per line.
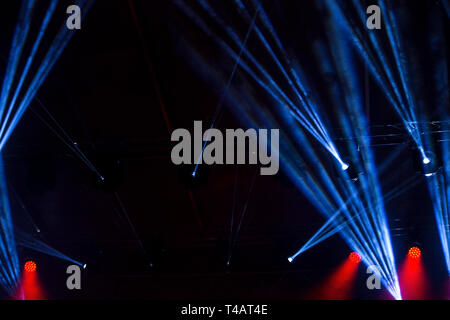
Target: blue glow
<point>26,240</point>
<point>10,115</point>
<point>9,261</point>
<point>58,45</point>
<point>303,110</point>
<point>30,59</point>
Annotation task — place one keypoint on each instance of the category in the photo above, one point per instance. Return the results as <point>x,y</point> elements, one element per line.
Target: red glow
<point>414,253</point>
<point>447,289</point>
<point>413,280</point>
<point>339,285</point>
<point>30,287</point>
<point>30,266</point>
<point>354,257</point>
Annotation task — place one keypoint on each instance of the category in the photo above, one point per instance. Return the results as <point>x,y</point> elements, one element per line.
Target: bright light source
<point>355,257</point>
<point>30,266</point>
<point>414,253</point>
<point>430,164</point>
<point>290,259</point>
<point>344,166</point>
<point>84,266</point>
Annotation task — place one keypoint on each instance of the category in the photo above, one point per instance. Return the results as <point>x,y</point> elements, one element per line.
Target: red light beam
<point>413,280</point>
<point>30,286</point>
<point>340,283</point>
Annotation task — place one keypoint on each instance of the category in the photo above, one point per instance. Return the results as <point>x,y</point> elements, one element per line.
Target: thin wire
<point>72,145</point>
<point>244,210</point>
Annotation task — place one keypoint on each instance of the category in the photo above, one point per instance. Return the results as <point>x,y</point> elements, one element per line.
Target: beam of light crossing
<point>230,79</point>
<point>27,67</point>
<point>308,118</point>
<point>302,178</point>
<point>380,71</point>
<point>325,194</point>
<point>9,261</point>
<point>20,35</point>
<point>65,138</point>
<point>369,223</point>
<point>26,240</point>
<point>335,223</point>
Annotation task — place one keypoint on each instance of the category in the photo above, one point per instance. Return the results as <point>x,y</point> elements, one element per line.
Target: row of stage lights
<point>413,253</point>
<point>30,266</point>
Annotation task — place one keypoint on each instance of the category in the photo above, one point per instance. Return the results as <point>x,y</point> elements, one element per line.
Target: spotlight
<point>193,177</point>
<point>347,166</point>
<point>84,266</point>
<point>427,163</point>
<point>30,266</point>
<point>414,253</point>
<point>290,259</point>
<point>430,166</point>
<point>112,174</point>
<point>355,257</point>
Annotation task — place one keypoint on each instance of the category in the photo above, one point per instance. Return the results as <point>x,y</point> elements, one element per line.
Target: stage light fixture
<point>290,259</point>
<point>345,166</point>
<point>193,176</point>
<point>355,257</point>
<point>414,252</point>
<point>430,165</point>
<point>30,266</point>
